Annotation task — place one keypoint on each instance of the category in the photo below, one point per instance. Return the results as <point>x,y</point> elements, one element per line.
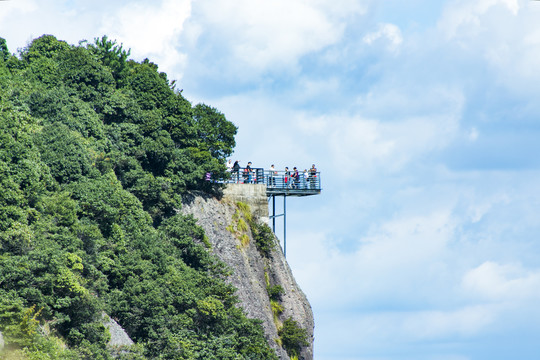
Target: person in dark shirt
<point>236,171</point>
<point>248,174</point>
<point>295,178</point>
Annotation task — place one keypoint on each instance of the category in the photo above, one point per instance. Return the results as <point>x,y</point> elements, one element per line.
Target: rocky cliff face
<point>251,272</point>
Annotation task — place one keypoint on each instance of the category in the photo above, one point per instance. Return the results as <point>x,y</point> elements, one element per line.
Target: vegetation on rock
<point>96,151</point>
<point>293,337</point>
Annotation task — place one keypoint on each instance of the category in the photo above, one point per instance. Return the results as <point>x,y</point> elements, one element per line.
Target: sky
<point>423,118</point>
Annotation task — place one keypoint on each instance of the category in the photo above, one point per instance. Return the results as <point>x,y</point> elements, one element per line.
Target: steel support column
<point>274,213</point>
<point>285,226</point>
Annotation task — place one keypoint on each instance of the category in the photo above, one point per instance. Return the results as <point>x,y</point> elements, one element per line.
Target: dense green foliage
<point>275,292</point>
<point>293,337</point>
<point>263,236</point>
<point>95,153</point>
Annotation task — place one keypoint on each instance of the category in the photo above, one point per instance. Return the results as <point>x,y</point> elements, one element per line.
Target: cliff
<point>95,158</point>
<point>252,272</point>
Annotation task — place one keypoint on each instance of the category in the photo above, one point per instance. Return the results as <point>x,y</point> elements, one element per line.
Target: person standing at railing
<point>236,172</point>
<point>312,176</point>
<point>305,176</point>
<point>272,176</point>
<point>295,178</point>
<point>248,173</point>
<point>230,168</point>
<point>286,177</point>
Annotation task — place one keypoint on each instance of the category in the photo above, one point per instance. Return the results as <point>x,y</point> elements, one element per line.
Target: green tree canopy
<point>96,151</point>
<point>4,52</point>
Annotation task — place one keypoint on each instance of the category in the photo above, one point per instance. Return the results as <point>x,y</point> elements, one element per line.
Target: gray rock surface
<point>119,337</point>
<point>249,267</point>
<point>120,342</point>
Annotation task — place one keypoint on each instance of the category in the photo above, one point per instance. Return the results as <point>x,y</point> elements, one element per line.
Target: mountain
<point>102,252</point>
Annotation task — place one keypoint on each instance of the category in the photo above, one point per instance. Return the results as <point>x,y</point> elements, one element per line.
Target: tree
<point>215,133</point>
<point>46,46</point>
<point>92,81</point>
<point>63,150</point>
<point>4,52</point>
<point>111,55</point>
<point>293,337</point>
<point>150,89</point>
<point>96,151</point>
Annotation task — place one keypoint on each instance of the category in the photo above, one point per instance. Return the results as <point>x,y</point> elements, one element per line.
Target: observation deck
<point>277,183</point>
<point>280,183</point>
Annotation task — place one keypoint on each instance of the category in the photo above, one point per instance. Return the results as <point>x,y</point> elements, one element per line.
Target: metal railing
<point>244,176</point>
<point>285,180</point>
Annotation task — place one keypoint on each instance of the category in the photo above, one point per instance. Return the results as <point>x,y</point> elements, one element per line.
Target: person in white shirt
<point>272,176</point>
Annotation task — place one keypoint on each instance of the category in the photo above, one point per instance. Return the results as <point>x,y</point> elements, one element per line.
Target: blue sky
<point>423,117</point>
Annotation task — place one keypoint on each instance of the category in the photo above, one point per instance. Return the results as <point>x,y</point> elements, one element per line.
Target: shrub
<point>275,292</point>
<point>293,337</point>
<point>264,238</point>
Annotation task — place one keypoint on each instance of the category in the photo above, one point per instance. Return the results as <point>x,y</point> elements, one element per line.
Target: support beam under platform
<point>251,189</point>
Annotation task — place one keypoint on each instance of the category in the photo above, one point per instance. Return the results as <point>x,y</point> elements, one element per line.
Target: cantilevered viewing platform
<point>280,183</point>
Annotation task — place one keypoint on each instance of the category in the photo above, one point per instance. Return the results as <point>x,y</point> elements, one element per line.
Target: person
<point>272,176</point>
<point>229,169</point>
<point>305,177</point>
<point>312,176</point>
<point>236,171</point>
<point>248,173</point>
<point>286,177</point>
<point>295,178</point>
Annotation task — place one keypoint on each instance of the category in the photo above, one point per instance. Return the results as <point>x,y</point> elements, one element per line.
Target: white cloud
<point>12,29</point>
<point>389,33</point>
<point>409,279</point>
<point>478,208</point>
<point>361,146</point>
<point>10,7</point>
<point>250,38</point>
<point>152,31</point>
<point>463,15</point>
<point>389,262</point>
<point>510,52</point>
<point>397,99</point>
<point>266,34</point>
<point>492,281</point>
<point>464,322</point>
<point>380,335</point>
